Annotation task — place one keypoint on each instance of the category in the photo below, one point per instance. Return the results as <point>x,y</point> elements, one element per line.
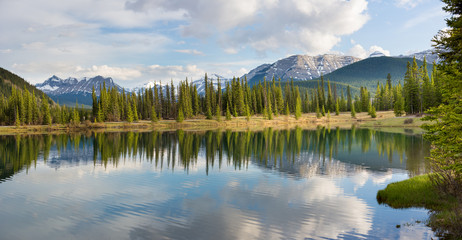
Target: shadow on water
<point>296,152</point>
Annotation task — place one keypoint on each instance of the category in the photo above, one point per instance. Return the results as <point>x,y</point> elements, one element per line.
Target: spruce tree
<point>218,113</point>
<point>17,121</point>
<point>180,116</point>
<point>298,108</point>
<point>129,112</point>
<point>353,112</point>
<point>247,113</point>
<point>46,111</point>
<point>154,114</point>
<point>228,114</point>
<point>373,112</point>
<point>318,112</point>
<point>337,108</point>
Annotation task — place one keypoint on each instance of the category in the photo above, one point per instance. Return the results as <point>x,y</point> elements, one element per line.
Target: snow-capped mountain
<point>377,54</point>
<point>300,67</point>
<point>200,83</point>
<point>428,54</point>
<point>70,90</point>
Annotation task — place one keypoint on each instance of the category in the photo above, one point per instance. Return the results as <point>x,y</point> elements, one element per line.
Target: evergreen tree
<point>399,105</point>
<point>349,100</point>
<point>287,110</point>
<point>218,113</point>
<point>45,111</point>
<point>373,112</point>
<point>247,113</point>
<point>337,108</point>
<point>228,114</point>
<point>129,112</point>
<point>154,114</point>
<point>298,107</point>
<point>318,112</point>
<point>353,112</point>
<point>75,114</point>
<point>180,116</point>
<point>17,121</point>
<point>389,80</point>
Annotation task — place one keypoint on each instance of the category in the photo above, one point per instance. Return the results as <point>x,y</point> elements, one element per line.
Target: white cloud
<point>189,51</point>
<point>106,71</point>
<point>407,3</point>
<point>5,50</point>
<point>313,26</point>
<point>359,51</point>
<point>50,37</point>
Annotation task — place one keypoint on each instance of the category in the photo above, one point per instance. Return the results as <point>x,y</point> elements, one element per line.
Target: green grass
<point>413,192</point>
<point>395,122</point>
<point>445,218</point>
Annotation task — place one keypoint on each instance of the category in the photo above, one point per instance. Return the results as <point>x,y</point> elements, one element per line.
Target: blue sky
<point>136,41</point>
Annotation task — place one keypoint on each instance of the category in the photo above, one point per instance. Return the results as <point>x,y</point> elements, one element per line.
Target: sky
<point>137,41</point>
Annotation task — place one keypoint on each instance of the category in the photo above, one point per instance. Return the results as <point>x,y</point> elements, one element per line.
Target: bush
<point>408,120</point>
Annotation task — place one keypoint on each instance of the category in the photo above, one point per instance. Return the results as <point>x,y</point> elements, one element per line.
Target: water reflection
<point>297,152</point>
<point>206,185</point>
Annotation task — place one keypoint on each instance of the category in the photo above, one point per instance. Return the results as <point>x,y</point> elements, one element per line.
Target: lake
<point>270,184</point>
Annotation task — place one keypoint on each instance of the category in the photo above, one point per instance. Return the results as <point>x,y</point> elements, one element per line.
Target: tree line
<point>236,98</point>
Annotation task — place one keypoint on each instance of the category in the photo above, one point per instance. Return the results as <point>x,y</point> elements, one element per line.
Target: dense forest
<point>268,98</point>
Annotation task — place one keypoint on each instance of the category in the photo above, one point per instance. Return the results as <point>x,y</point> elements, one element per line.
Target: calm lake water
<point>271,184</point>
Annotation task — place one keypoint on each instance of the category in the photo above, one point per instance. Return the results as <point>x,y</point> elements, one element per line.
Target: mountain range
<point>301,68</point>
<point>71,90</point>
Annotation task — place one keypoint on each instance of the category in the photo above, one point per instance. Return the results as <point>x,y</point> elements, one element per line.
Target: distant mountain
<point>200,83</point>
<point>367,72</point>
<point>299,67</point>
<point>428,54</point>
<point>9,80</point>
<point>377,54</point>
<point>68,91</point>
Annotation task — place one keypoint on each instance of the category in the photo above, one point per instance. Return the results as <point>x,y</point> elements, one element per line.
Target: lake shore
<point>385,119</point>
<point>420,192</point>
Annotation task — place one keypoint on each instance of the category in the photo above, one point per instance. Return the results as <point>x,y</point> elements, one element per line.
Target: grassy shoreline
<point>445,210</point>
<point>385,119</point>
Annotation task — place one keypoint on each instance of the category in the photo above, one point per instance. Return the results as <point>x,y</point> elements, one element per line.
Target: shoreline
<point>419,192</point>
<point>385,119</point>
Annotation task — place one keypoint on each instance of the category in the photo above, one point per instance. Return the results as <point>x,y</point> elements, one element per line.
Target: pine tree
<point>154,114</point>
<point>17,121</point>
<point>318,112</point>
<point>323,111</point>
<point>337,108</point>
<point>349,100</point>
<point>287,110</point>
<point>247,113</point>
<point>46,111</point>
<point>328,115</point>
<point>75,114</point>
<point>228,114</point>
<point>180,116</point>
<point>353,112</point>
<point>298,107</point>
<point>373,112</point>
<point>218,113</point>
<point>129,112</point>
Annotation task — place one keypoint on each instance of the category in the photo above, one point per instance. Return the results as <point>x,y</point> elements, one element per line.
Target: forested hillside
<point>367,72</point>
<point>9,79</point>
